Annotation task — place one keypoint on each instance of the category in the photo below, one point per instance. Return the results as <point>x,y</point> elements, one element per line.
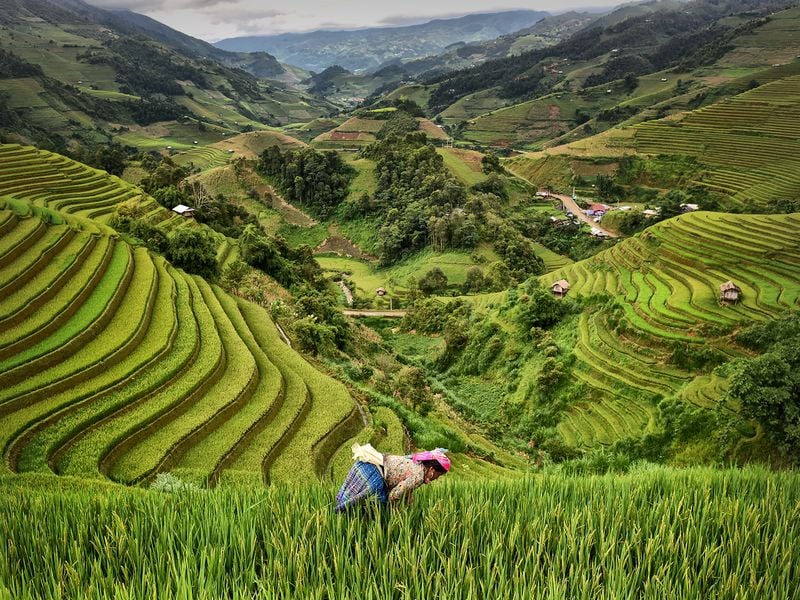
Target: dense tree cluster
<point>417,201</point>
<point>768,386</point>
<point>317,180</point>
<point>399,123</point>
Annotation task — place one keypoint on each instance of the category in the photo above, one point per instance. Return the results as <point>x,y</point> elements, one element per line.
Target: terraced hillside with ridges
<point>750,142</point>
<point>50,180</point>
<point>666,282</point>
<point>127,367</point>
<point>64,189</point>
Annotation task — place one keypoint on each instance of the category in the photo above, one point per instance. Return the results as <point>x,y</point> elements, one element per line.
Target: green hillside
<point>580,90</point>
<point>665,287</point>
<point>197,381</point>
<point>744,147</point>
<point>72,72</point>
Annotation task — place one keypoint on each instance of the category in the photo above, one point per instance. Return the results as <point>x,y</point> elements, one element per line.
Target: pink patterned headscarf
<point>438,455</point>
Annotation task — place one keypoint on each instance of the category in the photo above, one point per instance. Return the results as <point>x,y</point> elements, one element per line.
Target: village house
<point>729,292</point>
<point>186,212</point>
<point>560,288</point>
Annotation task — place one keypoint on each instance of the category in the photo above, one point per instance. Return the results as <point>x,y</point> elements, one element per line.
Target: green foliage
<point>314,337</point>
<point>429,315</point>
<point>475,281</point>
<point>399,124</point>
<point>317,180</point>
<point>652,514</point>
<point>417,200</point>
<point>272,255</point>
<point>768,386</point>
<point>194,251</point>
<point>233,274</point>
<point>433,282</point>
<point>490,163</point>
<point>536,308</point>
<point>324,321</point>
<point>414,390</point>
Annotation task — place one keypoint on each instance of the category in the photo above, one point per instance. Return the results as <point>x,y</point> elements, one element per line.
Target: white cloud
<point>217,19</point>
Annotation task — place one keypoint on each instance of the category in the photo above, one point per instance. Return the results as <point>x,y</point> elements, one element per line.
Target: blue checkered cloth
<point>363,481</point>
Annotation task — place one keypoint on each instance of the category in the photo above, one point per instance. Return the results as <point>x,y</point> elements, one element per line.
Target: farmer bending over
<point>389,477</point>
<point>403,475</point>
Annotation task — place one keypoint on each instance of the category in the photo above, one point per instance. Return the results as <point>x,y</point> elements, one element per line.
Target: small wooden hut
<point>560,288</point>
<point>729,293</point>
<point>380,291</point>
<point>186,212</point>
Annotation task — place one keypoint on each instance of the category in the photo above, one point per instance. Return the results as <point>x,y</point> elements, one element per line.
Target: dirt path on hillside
<point>270,196</point>
<point>398,314</point>
<point>348,295</point>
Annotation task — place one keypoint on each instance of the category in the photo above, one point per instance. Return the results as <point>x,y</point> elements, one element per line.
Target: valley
<point>563,246</point>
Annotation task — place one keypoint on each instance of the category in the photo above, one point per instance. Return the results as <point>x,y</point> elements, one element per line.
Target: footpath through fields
<point>399,314</point>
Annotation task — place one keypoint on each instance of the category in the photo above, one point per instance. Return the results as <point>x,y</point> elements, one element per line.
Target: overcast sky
<point>213,20</point>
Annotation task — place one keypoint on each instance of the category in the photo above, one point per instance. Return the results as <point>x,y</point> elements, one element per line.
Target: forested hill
<point>650,42</point>
<point>369,48</point>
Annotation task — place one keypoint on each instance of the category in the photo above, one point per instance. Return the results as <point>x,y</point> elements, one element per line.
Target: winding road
<point>572,206</point>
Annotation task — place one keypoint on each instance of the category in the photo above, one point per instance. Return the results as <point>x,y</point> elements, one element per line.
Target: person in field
<point>389,478</point>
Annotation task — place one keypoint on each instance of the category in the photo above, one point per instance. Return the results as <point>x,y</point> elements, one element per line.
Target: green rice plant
<point>330,405</point>
<point>14,274</point>
<point>654,533</point>
<point>167,406</point>
<point>132,406</point>
<point>64,304</point>
<point>231,390</point>
<point>44,284</point>
<point>226,443</point>
<point>106,347</point>
<point>257,458</point>
<point>88,317</point>
<point>25,234</point>
<point>73,412</point>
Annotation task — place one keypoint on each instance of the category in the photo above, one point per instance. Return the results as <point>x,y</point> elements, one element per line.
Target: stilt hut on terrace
<point>560,288</point>
<point>729,292</point>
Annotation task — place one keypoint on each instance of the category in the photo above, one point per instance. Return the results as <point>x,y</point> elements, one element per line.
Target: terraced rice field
<point>45,179</point>
<point>114,364</point>
<point>44,182</point>
<point>667,284</point>
<point>205,157</point>
<point>750,143</point>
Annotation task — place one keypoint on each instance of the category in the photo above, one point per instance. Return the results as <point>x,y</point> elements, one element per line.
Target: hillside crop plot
<point>667,284</point>
<point>100,352</point>
<point>582,537</point>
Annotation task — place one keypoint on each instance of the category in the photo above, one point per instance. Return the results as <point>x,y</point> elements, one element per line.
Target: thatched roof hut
<point>560,288</point>
<point>729,292</point>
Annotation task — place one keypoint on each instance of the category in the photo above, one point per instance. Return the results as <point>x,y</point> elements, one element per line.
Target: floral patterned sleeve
<point>402,476</point>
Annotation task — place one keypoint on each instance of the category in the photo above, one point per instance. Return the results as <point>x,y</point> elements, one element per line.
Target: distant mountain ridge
<point>364,49</point>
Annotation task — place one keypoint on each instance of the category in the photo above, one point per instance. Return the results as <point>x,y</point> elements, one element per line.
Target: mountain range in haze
<point>365,49</point>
